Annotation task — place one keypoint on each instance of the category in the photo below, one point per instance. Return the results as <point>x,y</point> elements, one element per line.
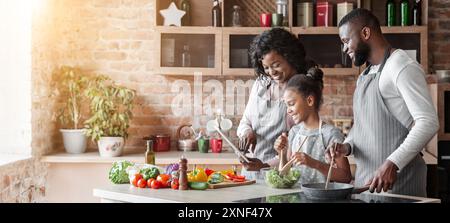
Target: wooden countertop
<point>128,193</point>
<point>164,158</point>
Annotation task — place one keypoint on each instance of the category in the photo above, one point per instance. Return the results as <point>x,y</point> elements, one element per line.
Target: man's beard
<point>362,53</point>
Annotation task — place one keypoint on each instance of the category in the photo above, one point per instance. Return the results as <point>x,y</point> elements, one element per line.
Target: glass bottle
<point>417,13</point>
<point>404,13</point>
<point>216,14</point>
<point>282,8</point>
<point>185,5</point>
<point>390,13</point>
<point>149,154</point>
<point>186,57</point>
<point>236,22</point>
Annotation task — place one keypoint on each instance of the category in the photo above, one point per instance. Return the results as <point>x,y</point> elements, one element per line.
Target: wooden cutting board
<point>231,184</point>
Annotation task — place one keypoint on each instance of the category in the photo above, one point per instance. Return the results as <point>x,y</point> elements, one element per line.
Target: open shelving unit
<point>224,50</point>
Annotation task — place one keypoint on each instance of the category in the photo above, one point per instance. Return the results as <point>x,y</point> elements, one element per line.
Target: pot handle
<point>358,190</point>
<point>179,130</point>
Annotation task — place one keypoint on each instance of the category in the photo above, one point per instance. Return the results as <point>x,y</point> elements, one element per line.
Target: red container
<point>162,143</point>
<point>265,19</point>
<point>216,145</point>
<point>324,14</point>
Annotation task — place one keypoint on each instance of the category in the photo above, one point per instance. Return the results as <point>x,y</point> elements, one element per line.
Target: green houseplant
<point>71,83</point>
<point>111,106</point>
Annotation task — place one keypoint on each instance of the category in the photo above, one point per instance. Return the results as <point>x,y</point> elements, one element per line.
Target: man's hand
<point>384,178</point>
<point>247,140</point>
<point>281,143</point>
<point>337,150</point>
<point>254,165</point>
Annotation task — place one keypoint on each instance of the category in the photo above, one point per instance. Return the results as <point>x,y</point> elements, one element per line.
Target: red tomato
<point>163,178</point>
<point>156,184</point>
<point>239,177</point>
<point>149,182</point>
<point>135,179</point>
<point>175,184</point>
<point>142,183</point>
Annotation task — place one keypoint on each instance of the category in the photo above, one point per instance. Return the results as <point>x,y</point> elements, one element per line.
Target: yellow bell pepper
<point>197,175</point>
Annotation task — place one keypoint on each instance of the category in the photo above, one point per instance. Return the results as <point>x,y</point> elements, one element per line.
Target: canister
<point>324,14</point>
<point>343,9</point>
<point>305,14</point>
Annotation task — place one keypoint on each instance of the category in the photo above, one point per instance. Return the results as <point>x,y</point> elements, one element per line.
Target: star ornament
<point>172,15</point>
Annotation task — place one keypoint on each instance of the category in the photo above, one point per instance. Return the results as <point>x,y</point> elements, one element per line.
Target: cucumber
<point>198,185</point>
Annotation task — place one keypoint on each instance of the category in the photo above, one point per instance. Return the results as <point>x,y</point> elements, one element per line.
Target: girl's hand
<point>302,158</point>
<point>281,142</point>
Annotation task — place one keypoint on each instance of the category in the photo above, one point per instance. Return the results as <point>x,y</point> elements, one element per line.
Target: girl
<point>310,137</point>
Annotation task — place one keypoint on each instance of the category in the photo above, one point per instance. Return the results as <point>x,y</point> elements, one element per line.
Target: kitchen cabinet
<point>221,50</point>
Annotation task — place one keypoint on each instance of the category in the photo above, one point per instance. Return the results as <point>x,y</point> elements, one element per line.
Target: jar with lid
<point>236,22</point>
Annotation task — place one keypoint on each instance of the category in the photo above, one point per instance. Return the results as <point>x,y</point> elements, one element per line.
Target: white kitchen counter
<point>164,158</point>
<point>128,193</point>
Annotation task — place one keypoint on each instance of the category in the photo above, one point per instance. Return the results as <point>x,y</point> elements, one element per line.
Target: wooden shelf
<point>224,65</point>
<point>333,30</point>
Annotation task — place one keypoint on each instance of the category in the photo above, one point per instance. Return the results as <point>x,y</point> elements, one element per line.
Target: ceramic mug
<point>265,19</point>
<point>203,145</point>
<point>216,145</point>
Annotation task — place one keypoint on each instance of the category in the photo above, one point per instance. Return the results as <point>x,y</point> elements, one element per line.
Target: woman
<point>276,56</point>
<point>310,136</point>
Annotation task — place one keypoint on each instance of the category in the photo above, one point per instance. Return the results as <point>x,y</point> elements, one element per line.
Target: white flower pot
<point>75,140</point>
<point>110,146</point>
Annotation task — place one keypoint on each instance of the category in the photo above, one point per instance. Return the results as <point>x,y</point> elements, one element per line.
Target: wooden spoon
<point>329,170</point>
<point>285,169</point>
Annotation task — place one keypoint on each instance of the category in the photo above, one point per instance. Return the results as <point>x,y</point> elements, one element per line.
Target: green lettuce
<point>118,173</point>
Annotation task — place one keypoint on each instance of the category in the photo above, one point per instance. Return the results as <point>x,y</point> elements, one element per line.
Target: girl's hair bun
<point>316,74</point>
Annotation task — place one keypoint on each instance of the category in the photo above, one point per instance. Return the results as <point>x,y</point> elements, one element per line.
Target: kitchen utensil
<point>329,173</point>
<point>329,169</point>
<point>285,169</point>
<point>223,123</point>
<point>236,150</point>
<point>231,184</point>
<point>188,144</point>
<point>161,142</point>
<point>335,191</point>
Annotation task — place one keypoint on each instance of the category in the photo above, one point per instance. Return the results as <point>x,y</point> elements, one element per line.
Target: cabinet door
<point>189,50</point>
<point>236,43</point>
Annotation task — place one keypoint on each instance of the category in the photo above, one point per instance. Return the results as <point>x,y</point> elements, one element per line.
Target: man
<point>393,114</point>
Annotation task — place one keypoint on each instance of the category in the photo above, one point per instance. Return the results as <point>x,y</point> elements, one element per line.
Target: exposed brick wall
<point>23,182</point>
<point>439,34</point>
<point>117,38</point>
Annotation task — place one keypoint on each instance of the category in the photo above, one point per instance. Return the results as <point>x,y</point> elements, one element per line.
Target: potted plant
<point>72,83</point>
<point>111,106</point>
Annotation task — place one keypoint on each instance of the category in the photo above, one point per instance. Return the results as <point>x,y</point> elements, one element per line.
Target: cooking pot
<point>188,144</point>
<point>161,142</point>
<point>335,191</point>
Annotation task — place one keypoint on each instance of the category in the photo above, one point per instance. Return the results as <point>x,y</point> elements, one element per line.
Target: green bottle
<point>404,13</point>
<point>185,5</point>
<point>390,13</point>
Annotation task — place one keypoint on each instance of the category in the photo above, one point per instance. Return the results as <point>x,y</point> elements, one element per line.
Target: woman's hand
<point>302,158</point>
<point>254,164</point>
<point>248,139</point>
<point>281,143</point>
